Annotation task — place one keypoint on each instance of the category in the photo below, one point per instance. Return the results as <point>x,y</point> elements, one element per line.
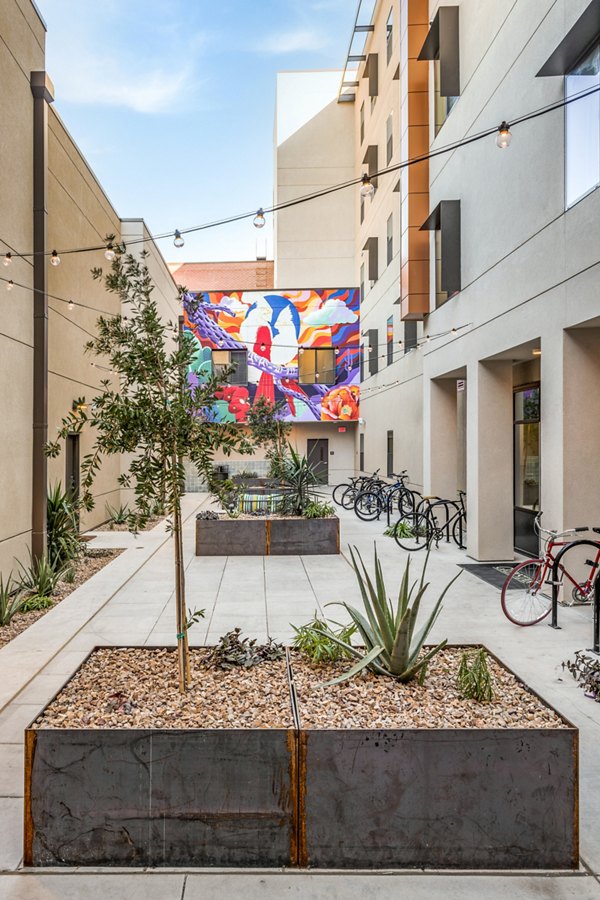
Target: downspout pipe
<point>43,94</point>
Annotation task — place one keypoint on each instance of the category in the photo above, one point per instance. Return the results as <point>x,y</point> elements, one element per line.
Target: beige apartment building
<point>75,212</point>
<point>483,261</point>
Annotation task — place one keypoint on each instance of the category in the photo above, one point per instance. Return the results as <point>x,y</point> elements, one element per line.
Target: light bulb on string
<point>10,285</point>
<point>70,305</point>
<point>178,241</point>
<point>453,331</point>
<point>259,219</point>
<point>7,259</point>
<point>367,188</point>
<point>370,348</point>
<point>504,136</point>
<point>301,350</point>
<point>428,338</point>
<point>337,351</point>
<point>54,259</point>
<point>109,253</point>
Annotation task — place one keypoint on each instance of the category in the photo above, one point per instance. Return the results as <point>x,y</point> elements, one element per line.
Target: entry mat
<point>492,574</point>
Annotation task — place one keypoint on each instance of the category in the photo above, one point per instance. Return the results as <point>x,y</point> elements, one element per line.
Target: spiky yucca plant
<point>392,645</point>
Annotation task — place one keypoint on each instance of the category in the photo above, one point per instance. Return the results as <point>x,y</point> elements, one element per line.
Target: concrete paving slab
<point>384,886</point>
<point>11,832</point>
<point>11,770</point>
<point>114,886</point>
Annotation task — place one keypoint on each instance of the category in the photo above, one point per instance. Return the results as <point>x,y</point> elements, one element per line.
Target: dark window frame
<point>318,372</point>
<point>445,221</point>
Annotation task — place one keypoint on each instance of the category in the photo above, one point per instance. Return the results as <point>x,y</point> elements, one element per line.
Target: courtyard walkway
<point>131,602</point>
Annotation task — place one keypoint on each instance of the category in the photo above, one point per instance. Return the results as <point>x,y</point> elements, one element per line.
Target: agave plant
<point>40,577</point>
<point>64,543</point>
<point>392,644</point>
<point>11,601</point>
<point>298,477</point>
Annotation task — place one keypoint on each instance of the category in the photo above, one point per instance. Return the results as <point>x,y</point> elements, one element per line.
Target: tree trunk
<point>182,654</point>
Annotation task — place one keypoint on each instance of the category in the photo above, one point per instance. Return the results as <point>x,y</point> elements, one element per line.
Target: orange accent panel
<point>418,108</point>
<point>419,177</point>
<point>418,140</point>
<point>417,75</point>
<point>414,307</point>
<point>416,39</point>
<point>418,244</point>
<point>418,209</point>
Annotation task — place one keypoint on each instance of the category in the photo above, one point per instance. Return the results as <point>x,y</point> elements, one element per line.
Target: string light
<point>109,253</point>
<point>55,259</point>
<point>367,188</point>
<point>70,305</point>
<point>178,241</point>
<point>453,331</point>
<point>7,259</point>
<point>504,136</point>
<point>259,219</point>
<point>10,285</point>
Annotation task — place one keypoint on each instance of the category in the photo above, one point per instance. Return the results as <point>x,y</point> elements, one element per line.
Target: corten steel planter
<point>160,797</point>
<point>267,537</point>
<point>486,798</point>
<point>325,798</point>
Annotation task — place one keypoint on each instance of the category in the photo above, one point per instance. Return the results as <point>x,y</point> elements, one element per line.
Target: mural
<point>292,341</point>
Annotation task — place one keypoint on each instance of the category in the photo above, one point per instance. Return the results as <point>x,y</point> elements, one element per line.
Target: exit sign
<point>342,429</point>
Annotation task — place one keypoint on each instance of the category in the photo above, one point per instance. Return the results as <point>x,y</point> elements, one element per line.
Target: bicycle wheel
<point>367,506</point>
<point>413,532</point>
<point>459,533</point>
<point>338,491</point>
<point>523,600</point>
<point>405,502</point>
<point>348,497</point>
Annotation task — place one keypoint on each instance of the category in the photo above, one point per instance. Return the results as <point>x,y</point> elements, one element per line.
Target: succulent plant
<point>392,645</point>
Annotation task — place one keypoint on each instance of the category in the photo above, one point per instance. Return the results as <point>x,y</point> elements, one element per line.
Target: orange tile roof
<point>253,275</point>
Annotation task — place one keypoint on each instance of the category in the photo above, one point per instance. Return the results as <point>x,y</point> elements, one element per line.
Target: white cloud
<point>333,312</point>
<point>295,41</point>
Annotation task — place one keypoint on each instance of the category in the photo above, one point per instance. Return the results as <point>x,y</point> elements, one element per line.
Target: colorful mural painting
<point>297,347</point>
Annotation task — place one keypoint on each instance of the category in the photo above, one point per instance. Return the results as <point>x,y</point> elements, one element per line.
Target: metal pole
<point>43,94</point>
<point>596,648</point>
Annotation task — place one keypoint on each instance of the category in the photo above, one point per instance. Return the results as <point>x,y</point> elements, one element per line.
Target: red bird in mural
<point>292,389</point>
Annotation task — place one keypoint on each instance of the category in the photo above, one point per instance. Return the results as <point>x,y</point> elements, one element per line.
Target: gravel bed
<point>88,565</point>
<point>108,526</point>
<point>374,701</point>
<point>138,688</point>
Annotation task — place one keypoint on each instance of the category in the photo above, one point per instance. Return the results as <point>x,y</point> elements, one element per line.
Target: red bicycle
<point>527,591</point>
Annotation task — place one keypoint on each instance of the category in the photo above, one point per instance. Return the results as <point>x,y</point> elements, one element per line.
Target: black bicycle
<point>432,521</point>
<point>370,503</point>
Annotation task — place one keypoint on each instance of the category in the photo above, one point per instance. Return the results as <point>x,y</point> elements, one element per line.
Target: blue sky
<point>172,102</point>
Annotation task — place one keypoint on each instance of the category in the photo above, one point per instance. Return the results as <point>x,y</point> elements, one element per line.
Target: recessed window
<point>445,222</point>
<point>390,340</point>
<point>223,360</point>
<point>389,138</point>
<point>362,122</point>
<point>390,454</point>
<point>442,47</point>
<point>317,366</point>
<point>362,209</point>
<point>582,128</point>
<point>372,248</point>
<point>390,239</point>
<point>410,335</point>
<point>362,283</point>
<point>373,349</point>
<point>389,36</point>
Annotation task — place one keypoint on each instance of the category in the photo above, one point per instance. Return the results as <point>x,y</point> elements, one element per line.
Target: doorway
<point>526,407</point>
<point>318,456</point>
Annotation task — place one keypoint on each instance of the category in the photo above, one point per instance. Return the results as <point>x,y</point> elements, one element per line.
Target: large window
<point>390,340</point>
<point>390,239</point>
<point>224,360</point>
<point>442,46</point>
<point>389,36</point>
<point>362,122</point>
<point>389,138</point>
<point>317,366</point>
<point>582,127</point>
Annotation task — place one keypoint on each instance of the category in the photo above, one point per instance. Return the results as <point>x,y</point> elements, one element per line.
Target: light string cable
<point>448,148</point>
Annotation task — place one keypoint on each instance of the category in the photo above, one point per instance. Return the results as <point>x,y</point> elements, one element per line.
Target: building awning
<point>583,33</point>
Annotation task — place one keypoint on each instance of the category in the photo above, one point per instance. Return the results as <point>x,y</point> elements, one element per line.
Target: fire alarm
<point>342,429</point>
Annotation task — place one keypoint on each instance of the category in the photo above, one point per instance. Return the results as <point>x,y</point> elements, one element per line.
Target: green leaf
<point>358,667</point>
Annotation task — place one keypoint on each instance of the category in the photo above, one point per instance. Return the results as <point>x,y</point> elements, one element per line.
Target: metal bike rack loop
<point>585,542</point>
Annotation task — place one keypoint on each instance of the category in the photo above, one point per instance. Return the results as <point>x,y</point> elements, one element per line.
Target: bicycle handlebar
<point>554,533</point>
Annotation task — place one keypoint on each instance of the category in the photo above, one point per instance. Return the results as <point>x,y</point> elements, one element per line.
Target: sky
<point>172,103</point>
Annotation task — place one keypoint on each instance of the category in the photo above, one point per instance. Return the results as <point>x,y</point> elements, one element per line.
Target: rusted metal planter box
<point>96,797</point>
<point>460,798</point>
<point>267,537</point>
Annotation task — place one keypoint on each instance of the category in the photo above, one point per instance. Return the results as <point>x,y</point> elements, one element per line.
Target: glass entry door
<point>527,467</point>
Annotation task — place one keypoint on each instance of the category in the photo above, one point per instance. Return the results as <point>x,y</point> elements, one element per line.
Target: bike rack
<point>596,635</point>
<point>585,542</point>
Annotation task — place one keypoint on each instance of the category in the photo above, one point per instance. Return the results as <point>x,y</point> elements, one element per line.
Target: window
<point>226,359</point>
<point>362,362</point>
<point>372,248</point>
<point>362,283</point>
<point>390,239</point>
<point>373,351</point>
<point>442,47</point>
<point>390,454</point>
<point>361,452</point>
<point>362,122</point>
<point>389,138</point>
<point>317,366</point>
<point>389,36</point>
<point>445,222</point>
<point>410,335</point>
<point>362,209</point>
<point>390,340</point>
<point>582,128</point>
<point>372,72</point>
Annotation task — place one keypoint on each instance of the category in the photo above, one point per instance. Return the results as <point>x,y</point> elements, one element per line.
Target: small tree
<point>152,414</point>
<point>271,431</point>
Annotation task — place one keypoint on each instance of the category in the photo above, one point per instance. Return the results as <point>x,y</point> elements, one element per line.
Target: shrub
<point>117,515</point>
<point>474,677</point>
<point>391,646</point>
<point>11,601</point>
<point>315,640</point>
<point>317,510</point>
<point>64,544</point>
<point>298,476</point>
<point>586,672</point>
<point>232,651</point>
<point>40,577</point>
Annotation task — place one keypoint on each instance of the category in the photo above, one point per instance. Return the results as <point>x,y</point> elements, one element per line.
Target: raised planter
<point>267,537</point>
<point>473,798</point>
